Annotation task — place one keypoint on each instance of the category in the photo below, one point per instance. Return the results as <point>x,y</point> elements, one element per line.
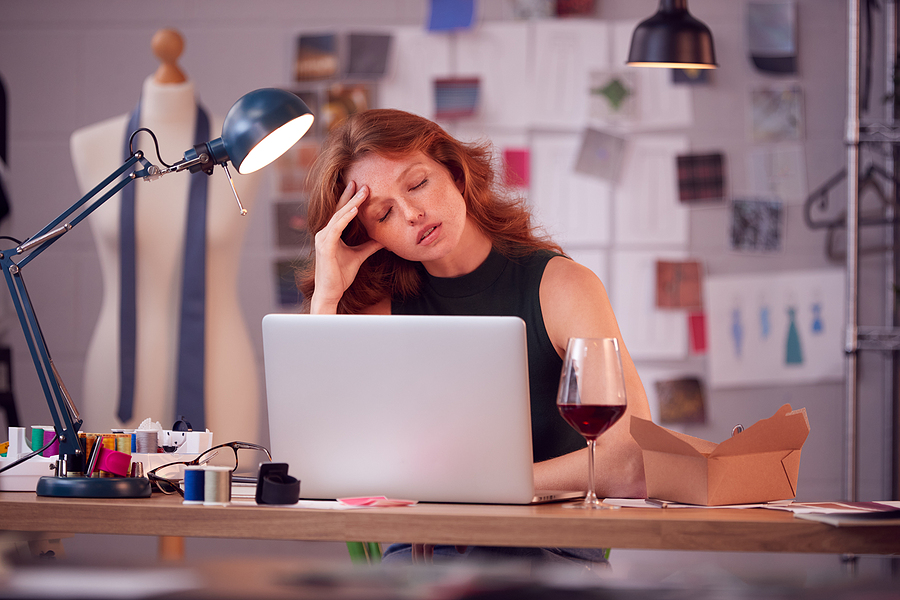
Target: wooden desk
<point>744,530</point>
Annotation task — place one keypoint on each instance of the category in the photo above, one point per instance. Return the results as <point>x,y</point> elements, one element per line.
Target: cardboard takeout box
<point>760,464</point>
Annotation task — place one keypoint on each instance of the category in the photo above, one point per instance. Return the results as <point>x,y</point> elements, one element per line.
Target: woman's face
<point>414,208</point>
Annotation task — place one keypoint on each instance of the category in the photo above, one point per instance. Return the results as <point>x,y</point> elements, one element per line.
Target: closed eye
<point>384,218</point>
<point>421,183</point>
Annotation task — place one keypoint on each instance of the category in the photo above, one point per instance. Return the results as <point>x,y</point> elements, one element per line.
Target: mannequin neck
<point>170,102</point>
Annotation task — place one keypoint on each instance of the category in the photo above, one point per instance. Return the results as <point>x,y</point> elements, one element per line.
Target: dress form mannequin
<point>232,402</point>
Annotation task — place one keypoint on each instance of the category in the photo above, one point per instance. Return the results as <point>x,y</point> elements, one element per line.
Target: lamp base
<point>94,487</point>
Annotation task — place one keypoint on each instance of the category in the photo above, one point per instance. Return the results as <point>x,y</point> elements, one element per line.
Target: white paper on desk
<point>573,208</point>
<point>641,503</point>
<point>649,332</point>
<point>419,57</point>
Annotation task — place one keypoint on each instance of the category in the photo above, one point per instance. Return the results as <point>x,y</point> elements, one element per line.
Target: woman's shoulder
<point>562,271</point>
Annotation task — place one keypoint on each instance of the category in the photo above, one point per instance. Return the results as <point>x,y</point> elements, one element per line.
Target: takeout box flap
<point>652,437</point>
<point>751,478</point>
<point>785,430</point>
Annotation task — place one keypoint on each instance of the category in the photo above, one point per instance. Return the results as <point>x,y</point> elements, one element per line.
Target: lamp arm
<point>66,419</point>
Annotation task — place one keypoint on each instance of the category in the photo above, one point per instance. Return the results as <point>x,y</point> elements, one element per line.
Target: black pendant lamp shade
<point>672,38</point>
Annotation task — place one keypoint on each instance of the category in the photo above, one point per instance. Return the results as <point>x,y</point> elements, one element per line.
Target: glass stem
<point>591,497</point>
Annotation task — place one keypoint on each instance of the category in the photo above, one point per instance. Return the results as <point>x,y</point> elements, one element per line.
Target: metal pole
<point>852,140</point>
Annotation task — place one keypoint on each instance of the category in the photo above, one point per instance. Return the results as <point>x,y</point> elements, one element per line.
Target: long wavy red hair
<point>503,217</point>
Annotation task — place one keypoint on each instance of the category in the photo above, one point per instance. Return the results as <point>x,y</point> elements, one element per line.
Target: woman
<point>408,220</point>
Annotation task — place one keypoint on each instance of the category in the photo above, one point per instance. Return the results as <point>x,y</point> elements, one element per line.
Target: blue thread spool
<point>194,482</point>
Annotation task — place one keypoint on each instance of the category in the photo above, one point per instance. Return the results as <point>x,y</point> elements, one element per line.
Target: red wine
<point>590,420</point>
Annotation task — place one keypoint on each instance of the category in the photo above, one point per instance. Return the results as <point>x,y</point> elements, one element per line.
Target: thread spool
<point>194,485</point>
<point>123,443</point>
<point>53,449</point>
<point>217,486</point>
<point>146,441</point>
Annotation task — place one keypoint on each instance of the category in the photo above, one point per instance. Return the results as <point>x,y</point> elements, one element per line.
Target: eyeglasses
<point>214,457</point>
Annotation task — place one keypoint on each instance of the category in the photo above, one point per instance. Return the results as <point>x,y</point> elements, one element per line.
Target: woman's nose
<point>412,212</point>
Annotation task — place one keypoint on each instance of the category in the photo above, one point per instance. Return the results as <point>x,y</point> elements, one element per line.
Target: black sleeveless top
<point>508,287</point>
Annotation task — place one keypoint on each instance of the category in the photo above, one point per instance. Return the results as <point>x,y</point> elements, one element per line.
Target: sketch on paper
<point>777,114</point>
<point>775,328</point>
<point>613,96</point>
<point>757,225</point>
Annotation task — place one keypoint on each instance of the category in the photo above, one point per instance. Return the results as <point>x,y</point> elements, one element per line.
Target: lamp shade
<point>261,126</point>
<point>672,38</point>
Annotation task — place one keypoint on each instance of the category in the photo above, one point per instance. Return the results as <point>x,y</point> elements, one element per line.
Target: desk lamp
<point>261,126</point>
<point>672,39</point>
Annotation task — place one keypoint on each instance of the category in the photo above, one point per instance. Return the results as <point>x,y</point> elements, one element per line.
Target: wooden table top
<point>548,525</point>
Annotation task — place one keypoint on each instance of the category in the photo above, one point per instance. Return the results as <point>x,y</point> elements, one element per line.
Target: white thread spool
<point>217,486</point>
<point>146,441</point>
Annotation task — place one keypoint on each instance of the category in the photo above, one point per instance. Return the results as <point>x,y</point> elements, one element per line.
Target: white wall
<point>69,64</point>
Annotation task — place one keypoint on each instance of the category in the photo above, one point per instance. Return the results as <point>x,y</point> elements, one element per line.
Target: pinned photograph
<point>343,100</point>
<point>291,229</point>
<point>600,155</point>
<point>681,401</point>
<point>771,35</point>
<point>701,177</point>
<point>368,55</point>
<point>317,57</point>
<point>757,225</point>
<point>456,97</point>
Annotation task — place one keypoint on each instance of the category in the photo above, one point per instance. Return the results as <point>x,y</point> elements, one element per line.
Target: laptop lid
<point>428,408</point>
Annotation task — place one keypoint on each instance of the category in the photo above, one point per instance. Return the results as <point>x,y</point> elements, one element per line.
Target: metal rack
<point>886,338</point>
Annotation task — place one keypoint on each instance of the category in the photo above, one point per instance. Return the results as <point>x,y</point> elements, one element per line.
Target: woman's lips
<point>427,234</point>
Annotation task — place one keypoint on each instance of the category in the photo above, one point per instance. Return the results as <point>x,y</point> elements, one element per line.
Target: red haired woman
<point>409,220</point>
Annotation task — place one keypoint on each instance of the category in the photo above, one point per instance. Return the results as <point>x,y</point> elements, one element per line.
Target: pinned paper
<point>448,15</point>
<point>777,114</point>
<point>697,333</point>
<point>368,55</point>
<point>681,401</point>
<point>678,284</point>
<point>757,225</point>
<point>701,177</point>
<point>456,97</point>
<point>317,57</point>
<point>601,155</point>
<point>771,34</point>
<point>516,170</point>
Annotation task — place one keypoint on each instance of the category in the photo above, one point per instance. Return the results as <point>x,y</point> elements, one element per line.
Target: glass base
<point>591,504</point>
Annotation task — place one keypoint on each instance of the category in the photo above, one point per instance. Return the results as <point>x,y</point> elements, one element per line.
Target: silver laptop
<point>426,408</point>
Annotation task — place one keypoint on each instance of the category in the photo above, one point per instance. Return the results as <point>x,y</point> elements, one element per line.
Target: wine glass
<point>591,395</point>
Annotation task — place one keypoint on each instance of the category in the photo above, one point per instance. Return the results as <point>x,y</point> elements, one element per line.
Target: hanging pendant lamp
<point>673,39</point>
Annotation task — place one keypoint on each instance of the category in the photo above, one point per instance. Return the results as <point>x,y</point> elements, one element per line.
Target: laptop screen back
<point>428,408</point>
